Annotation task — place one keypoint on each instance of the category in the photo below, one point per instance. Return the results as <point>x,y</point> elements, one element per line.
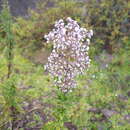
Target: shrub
<point>30,32</point>
<point>110,21</point>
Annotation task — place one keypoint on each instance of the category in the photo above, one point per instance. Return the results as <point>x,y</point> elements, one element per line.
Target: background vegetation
<point>102,98</point>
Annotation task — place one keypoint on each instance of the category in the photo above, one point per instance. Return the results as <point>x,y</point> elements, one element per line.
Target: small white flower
<point>87,48</point>
<point>106,65</point>
<point>45,36</point>
<point>88,41</point>
<point>94,76</point>
<point>70,91</point>
<point>69,19</point>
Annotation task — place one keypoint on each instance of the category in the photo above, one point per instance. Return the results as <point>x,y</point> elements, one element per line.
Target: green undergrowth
<point>97,88</point>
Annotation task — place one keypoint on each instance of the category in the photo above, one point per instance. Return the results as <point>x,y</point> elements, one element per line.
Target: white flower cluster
<point>69,56</point>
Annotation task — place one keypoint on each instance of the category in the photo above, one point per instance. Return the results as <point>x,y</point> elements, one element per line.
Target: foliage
<point>105,86</point>
<point>110,20</point>
<point>98,88</point>
<point>41,21</point>
<point>8,39</point>
<point>8,89</point>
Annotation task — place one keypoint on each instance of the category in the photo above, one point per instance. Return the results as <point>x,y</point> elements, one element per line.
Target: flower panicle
<point>69,56</point>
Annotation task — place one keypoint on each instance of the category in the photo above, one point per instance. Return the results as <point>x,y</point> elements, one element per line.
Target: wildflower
<point>69,56</point>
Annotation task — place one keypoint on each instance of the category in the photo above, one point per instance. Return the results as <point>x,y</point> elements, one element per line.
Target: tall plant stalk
<point>6,22</point>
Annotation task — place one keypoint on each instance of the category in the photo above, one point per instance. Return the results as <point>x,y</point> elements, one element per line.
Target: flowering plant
<point>69,56</point>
